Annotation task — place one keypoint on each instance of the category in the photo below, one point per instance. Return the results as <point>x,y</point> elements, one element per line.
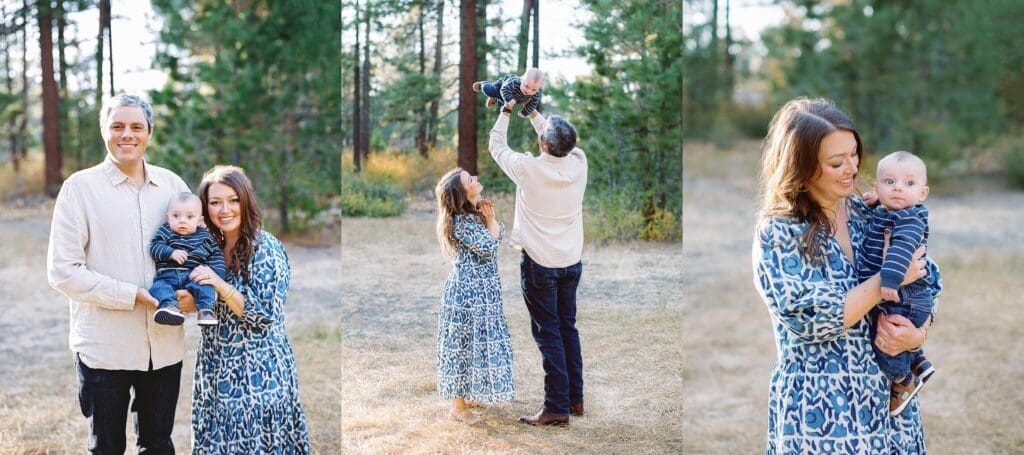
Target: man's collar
<point>116,176</point>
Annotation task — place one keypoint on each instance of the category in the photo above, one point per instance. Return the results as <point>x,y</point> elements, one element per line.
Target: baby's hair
<point>902,156</point>
<point>533,74</point>
<point>185,196</point>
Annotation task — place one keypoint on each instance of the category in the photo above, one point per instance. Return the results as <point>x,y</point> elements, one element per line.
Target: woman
<point>474,351</point>
<point>245,397</point>
<point>827,394</point>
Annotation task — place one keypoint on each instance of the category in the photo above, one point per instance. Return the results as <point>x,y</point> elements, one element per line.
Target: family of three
<point>129,250</point>
<point>474,350</point>
<point>848,286</point>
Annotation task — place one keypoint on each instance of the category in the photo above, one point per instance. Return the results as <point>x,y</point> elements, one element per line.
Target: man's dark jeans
<point>104,396</point>
<point>550,296</point>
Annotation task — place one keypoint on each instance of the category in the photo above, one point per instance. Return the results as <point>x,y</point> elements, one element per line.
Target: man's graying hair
<point>117,101</point>
<point>559,135</point>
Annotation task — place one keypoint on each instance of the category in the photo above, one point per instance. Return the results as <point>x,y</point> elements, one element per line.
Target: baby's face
<point>532,87</point>
<point>901,185</point>
<point>185,217</point>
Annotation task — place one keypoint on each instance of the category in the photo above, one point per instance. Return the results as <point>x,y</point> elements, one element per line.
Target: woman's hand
<point>205,275</point>
<point>916,270</point>
<point>486,208</point>
<point>186,303</point>
<point>897,334</point>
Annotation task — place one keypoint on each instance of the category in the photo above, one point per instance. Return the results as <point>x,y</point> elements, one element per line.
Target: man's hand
<point>143,297</point>
<point>186,303</point>
<point>179,256</point>
<point>890,294</point>
<point>510,103</point>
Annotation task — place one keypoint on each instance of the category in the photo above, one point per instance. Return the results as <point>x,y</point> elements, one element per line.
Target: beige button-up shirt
<point>99,256</point>
<point>549,198</point>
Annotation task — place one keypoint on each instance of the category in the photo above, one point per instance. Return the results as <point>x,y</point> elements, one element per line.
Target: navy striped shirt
<point>908,228</point>
<point>201,247</point>
<point>510,91</point>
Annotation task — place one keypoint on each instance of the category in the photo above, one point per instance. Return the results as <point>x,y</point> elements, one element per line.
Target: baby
<point>511,90</point>
<point>901,186</point>
<point>179,246</point>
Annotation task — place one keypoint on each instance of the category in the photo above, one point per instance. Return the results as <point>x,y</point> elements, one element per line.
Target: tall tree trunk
<point>62,68</point>
<point>421,133</point>
<point>438,41</point>
<point>23,126</point>
<point>12,136</point>
<point>283,201</point>
<point>110,43</point>
<point>729,75</point>
<point>536,43</point>
<point>524,36</point>
<point>482,49</point>
<point>357,112</point>
<point>467,75</point>
<point>715,52</point>
<point>51,102</point>
<point>536,34</point>
<point>99,55</point>
<point>365,134</point>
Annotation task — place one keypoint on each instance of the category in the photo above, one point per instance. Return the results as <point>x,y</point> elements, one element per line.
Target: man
<point>103,219</point>
<point>548,227</point>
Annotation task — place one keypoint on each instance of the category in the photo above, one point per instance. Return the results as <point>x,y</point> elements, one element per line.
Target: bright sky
<point>134,28</point>
<point>558,32</point>
<point>748,18</point>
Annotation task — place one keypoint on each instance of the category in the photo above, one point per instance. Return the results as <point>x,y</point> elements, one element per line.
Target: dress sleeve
<point>804,301</point>
<point>267,289</point>
<point>477,239</point>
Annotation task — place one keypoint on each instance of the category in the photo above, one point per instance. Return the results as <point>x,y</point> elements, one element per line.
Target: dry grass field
<point>629,321</point>
<point>974,402</point>
<point>38,393</point>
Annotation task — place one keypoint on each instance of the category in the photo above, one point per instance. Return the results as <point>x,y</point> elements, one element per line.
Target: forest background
<point>410,114</point>
<point>251,83</point>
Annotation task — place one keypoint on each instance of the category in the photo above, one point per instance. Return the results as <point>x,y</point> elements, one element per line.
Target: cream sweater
<point>548,222</point>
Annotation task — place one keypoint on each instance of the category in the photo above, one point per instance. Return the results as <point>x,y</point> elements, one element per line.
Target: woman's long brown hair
<point>790,162</point>
<point>252,221</point>
<point>451,200</point>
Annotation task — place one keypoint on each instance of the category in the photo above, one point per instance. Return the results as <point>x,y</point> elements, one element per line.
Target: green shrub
<point>662,227</point>
<point>362,196</point>
<point>613,217</point>
<point>751,120</point>
<point>1013,162</point>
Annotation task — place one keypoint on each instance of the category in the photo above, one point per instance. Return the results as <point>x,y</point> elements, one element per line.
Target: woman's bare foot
<point>465,416</point>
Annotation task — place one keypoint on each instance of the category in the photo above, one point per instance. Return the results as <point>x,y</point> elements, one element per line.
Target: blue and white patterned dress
<point>245,397</point>
<point>474,350</point>
<point>827,394</point>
